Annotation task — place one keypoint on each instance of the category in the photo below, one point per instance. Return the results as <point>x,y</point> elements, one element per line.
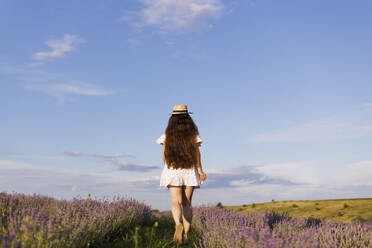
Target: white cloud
<point>65,183</point>
<point>296,172</point>
<point>113,160</point>
<point>72,88</point>
<point>266,192</point>
<point>350,181</point>
<point>52,84</point>
<point>60,47</point>
<point>130,166</point>
<point>97,155</point>
<point>177,15</point>
<point>358,174</point>
<point>244,186</point>
<point>318,131</point>
<point>293,180</point>
<point>9,164</point>
<point>145,180</point>
<point>68,183</point>
<point>35,64</point>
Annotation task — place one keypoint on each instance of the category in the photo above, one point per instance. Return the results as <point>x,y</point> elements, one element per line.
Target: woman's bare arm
<point>203,176</point>
<point>163,146</point>
<point>198,161</point>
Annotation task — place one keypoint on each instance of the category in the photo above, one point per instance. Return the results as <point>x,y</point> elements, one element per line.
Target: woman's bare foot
<point>186,238</point>
<point>177,238</point>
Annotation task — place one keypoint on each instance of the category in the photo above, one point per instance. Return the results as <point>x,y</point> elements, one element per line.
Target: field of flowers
<point>225,228</point>
<point>40,221</point>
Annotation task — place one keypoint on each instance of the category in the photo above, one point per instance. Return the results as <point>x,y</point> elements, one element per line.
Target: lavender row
<point>222,228</point>
<point>40,221</point>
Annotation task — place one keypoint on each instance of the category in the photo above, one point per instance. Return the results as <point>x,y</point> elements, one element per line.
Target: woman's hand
<point>203,176</point>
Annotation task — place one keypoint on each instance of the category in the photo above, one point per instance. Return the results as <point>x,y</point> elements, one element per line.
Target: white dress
<point>179,177</point>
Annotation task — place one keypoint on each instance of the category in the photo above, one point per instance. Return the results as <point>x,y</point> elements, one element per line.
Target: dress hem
<point>195,186</point>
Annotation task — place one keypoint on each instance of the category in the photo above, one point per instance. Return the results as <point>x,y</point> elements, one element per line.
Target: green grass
<point>344,210</point>
<point>157,234</point>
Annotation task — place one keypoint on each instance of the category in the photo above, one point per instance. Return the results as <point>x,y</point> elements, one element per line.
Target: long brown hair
<point>180,142</point>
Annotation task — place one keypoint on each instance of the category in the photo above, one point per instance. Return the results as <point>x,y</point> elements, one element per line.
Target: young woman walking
<point>182,170</point>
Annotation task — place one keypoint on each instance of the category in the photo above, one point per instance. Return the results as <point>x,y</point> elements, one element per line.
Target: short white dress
<point>179,177</point>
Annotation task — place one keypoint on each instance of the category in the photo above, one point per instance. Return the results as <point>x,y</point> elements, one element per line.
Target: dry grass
<point>345,210</point>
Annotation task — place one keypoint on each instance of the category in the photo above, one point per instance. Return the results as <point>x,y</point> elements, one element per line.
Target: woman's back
<point>181,142</point>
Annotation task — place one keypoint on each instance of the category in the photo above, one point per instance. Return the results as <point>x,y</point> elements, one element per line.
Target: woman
<point>182,170</point>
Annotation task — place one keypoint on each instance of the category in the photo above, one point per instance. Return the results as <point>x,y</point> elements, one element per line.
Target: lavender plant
<point>40,221</point>
<point>225,228</point>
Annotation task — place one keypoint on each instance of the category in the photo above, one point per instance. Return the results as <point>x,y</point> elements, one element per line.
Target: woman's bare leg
<point>176,193</point>
<point>187,209</point>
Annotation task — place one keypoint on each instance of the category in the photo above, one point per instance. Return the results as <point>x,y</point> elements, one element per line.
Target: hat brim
<point>180,113</point>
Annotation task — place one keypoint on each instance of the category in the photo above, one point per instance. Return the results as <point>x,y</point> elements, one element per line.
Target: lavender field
<point>40,221</point>
<point>225,228</point>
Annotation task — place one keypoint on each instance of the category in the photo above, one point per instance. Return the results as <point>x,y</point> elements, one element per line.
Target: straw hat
<point>180,109</point>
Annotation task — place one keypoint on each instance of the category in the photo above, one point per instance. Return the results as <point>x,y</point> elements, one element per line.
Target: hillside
<point>345,210</point>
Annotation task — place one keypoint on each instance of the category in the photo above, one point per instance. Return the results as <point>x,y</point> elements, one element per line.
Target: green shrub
<point>295,205</point>
<point>244,205</point>
<point>253,205</point>
<point>340,214</point>
<point>219,205</point>
<point>316,203</point>
<point>345,205</point>
<point>317,209</point>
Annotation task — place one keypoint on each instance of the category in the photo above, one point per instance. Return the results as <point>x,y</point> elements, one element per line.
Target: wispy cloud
<point>146,182</point>
<point>97,155</point>
<point>245,176</point>
<point>113,159</point>
<point>175,15</point>
<point>297,178</point>
<point>236,185</point>
<point>35,64</point>
<point>291,181</point>
<point>71,88</point>
<point>64,183</point>
<point>129,166</point>
<point>52,84</point>
<point>358,174</point>
<point>232,178</point>
<point>294,172</point>
<point>59,47</point>
<point>318,131</point>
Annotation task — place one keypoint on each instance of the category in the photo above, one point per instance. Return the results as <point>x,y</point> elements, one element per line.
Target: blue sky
<point>281,92</point>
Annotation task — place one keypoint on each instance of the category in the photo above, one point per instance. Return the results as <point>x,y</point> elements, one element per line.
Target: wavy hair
<point>180,149</point>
